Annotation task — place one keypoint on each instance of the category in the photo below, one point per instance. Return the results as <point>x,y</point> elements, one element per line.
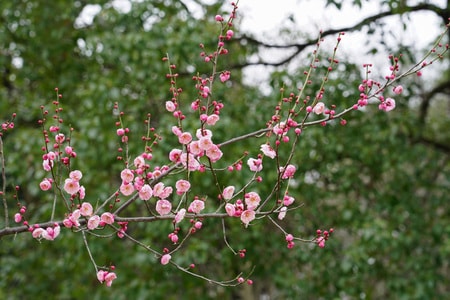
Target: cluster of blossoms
<point>323,236</point>
<point>105,276</point>
<point>93,221</point>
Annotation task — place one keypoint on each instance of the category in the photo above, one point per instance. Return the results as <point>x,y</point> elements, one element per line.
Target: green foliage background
<point>382,181</point>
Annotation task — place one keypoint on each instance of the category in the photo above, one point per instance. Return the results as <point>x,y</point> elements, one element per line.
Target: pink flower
<point>170,106</point>
<point>72,220</point>
<point>214,153</point>
<point>282,213</point>
<point>163,207</point>
<point>82,192</point>
<point>107,218</point>
<point>387,105</point>
<point>212,119</point>
<point>139,162</point>
<point>321,242</point>
<point>180,215</point>
<point>161,191</point>
<point>47,165</point>
<point>196,206</point>
<point>230,209</point>
<point>126,189</point>
<point>247,216</point>
<point>288,200</point>
<point>165,259</point>
<point>189,161</point>
<point>194,148</point>
<point>71,186</point>
<point>60,138</point>
<point>228,192</point>
<point>45,184</point>
<point>105,276</point>
<point>145,192</point>
<point>49,234</point>
<point>255,165</point>
<point>76,175</point>
<point>68,150</point>
<point>182,186</point>
<point>127,175</point>
<point>205,143</point>
<point>120,132</point>
<point>86,209</point>
<point>109,278</point>
<point>280,129</point>
<point>218,18</point>
<point>398,89</point>
<point>17,218</point>
<point>319,108</point>
<point>203,133</point>
<point>225,76</point>
<point>252,200</point>
<point>93,222</point>
<point>288,172</point>
<point>174,155</point>
<point>185,138</point>
<point>268,151</point>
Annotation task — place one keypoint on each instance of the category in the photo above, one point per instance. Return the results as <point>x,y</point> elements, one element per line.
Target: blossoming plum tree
<point>164,191</point>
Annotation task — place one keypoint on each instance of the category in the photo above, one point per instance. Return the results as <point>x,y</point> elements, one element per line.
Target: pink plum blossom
<point>82,192</point>
<point>45,184</point>
<point>170,106</point>
<point>127,175</point>
<point>255,165</point>
<point>288,200</point>
<point>205,143</point>
<point>252,200</point>
<point>196,206</point>
<point>174,155</point>
<point>163,207</point>
<point>185,138</point>
<point>214,153</point>
<point>288,172</point>
<point>320,242</point>
<point>189,161</point>
<point>17,218</point>
<point>146,192</point>
<point>180,215</point>
<point>247,216</point>
<point>93,222</point>
<point>86,209</point>
<point>60,138</point>
<point>165,259</point>
<point>161,191</point>
<point>398,89</point>
<point>203,133</point>
<point>76,175</point>
<point>194,148</point>
<point>228,192</point>
<point>107,218</point>
<point>47,165</point>
<point>387,105</point>
<point>230,209</point>
<point>107,277</point>
<point>182,186</point>
<point>282,213</point>
<point>224,76</point>
<point>126,189</point>
<point>319,108</point>
<point>212,119</point>
<point>268,151</point>
<point>139,162</point>
<point>71,186</point>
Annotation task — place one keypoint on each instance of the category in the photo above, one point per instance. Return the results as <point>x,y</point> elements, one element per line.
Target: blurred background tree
<point>382,181</point>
